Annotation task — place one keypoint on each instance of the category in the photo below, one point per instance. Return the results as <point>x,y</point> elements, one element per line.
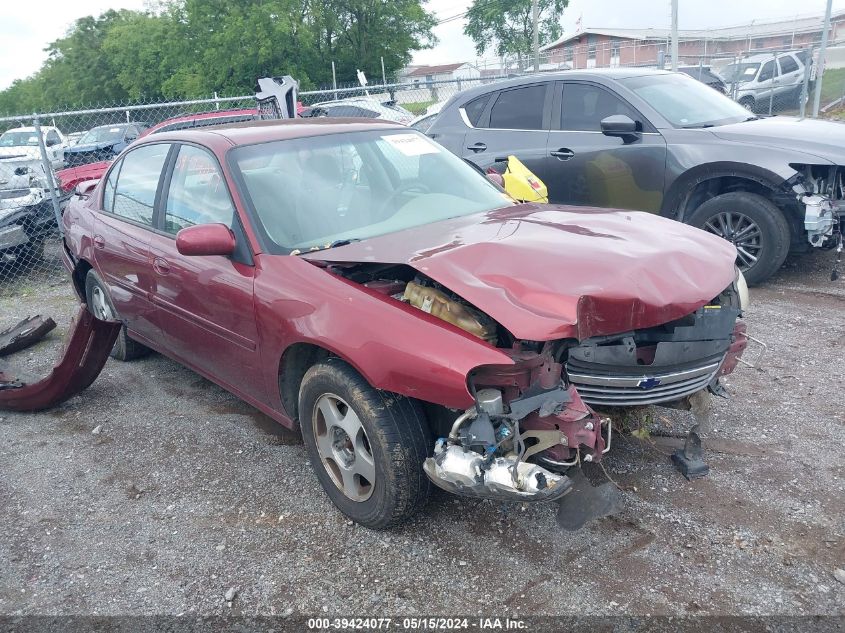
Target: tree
<point>508,27</point>
<point>193,48</point>
<point>357,34</point>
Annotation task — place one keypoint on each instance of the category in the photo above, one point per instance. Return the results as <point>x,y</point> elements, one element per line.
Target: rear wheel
<point>753,224</point>
<point>100,305</point>
<point>367,446</point>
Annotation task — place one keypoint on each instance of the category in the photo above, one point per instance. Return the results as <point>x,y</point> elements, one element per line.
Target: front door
<point>204,304</point>
<point>583,166</point>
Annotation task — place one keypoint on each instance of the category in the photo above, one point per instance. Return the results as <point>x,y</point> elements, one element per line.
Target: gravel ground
<point>156,492</point>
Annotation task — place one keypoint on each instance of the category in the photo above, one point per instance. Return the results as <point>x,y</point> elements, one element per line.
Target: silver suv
<point>763,78</point>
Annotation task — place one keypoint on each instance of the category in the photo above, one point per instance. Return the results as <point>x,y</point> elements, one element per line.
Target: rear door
<point>514,121</point>
<point>122,233</point>
<point>582,166</point>
<point>204,304</point>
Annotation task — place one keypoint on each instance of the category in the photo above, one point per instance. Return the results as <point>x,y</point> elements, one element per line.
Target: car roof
<point>761,57</point>
<point>252,132</point>
<point>200,116</point>
<point>596,74</point>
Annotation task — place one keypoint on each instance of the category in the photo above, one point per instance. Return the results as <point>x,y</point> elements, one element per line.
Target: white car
<point>758,79</point>
<point>22,143</point>
<point>365,107</point>
<point>424,121</point>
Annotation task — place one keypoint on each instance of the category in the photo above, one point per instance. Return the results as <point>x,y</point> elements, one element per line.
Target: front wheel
<point>367,446</point>
<point>753,224</point>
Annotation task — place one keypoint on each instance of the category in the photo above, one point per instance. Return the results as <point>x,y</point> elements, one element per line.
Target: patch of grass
<point>833,85</point>
<point>416,107</point>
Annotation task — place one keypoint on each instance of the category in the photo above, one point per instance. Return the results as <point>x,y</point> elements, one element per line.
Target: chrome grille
<point>637,388</point>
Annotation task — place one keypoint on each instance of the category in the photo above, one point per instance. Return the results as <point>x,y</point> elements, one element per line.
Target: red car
<point>356,280</point>
<point>72,176</point>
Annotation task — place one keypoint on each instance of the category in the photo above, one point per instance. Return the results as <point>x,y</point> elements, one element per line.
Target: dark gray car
<point>662,142</point>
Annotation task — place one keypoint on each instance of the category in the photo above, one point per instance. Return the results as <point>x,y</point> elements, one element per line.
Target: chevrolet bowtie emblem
<point>648,383</point>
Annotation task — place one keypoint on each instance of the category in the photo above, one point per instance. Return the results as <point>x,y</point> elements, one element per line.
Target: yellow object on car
<point>521,183</point>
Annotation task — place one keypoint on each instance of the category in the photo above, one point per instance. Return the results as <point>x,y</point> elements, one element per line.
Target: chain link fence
<point>44,157</point>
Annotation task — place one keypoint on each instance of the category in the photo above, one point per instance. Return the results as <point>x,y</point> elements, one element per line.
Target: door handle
<point>564,153</point>
<point>478,147</point>
<point>161,266</point>
<point>99,242</point>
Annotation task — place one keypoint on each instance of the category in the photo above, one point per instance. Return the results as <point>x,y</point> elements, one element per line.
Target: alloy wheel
<point>100,305</point>
<point>344,447</point>
<point>742,232</point>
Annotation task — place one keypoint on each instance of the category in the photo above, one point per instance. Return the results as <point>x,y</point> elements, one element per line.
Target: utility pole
<point>674,35</point>
<point>535,10</point>
<point>820,67</point>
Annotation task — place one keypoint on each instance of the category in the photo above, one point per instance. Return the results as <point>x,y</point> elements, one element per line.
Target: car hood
<point>824,139</point>
<point>20,152</point>
<point>72,176</point>
<point>546,272</point>
<point>90,147</point>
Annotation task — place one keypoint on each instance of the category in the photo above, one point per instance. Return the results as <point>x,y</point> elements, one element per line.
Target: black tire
<point>747,102</point>
<point>774,236</point>
<point>396,440</point>
<point>125,348</point>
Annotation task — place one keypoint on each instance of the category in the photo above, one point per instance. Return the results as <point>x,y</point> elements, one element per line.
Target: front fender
<point>680,188</point>
<point>394,346</point>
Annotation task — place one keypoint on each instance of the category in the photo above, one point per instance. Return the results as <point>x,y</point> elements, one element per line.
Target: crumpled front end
<point>527,428</point>
<point>664,364</point>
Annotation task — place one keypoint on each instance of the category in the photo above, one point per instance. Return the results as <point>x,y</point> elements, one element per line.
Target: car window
<point>685,102</point>
<point>108,190</point>
<point>351,111</point>
<point>584,106</point>
<point>312,192</point>
<point>787,64</point>
<point>475,108</point>
<point>519,109</point>
<point>424,123</point>
<point>198,194</point>
<point>136,186</point>
<point>767,72</point>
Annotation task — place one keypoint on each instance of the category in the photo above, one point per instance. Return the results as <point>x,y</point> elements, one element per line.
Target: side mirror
<point>50,142</point>
<point>206,239</point>
<point>620,125</point>
<point>85,187</point>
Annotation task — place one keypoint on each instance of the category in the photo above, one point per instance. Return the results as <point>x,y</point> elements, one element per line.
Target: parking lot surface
<point>155,491</point>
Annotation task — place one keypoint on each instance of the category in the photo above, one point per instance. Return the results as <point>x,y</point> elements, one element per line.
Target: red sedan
<point>355,280</point>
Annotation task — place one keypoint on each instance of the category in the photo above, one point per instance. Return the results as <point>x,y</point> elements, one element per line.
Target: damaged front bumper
<point>526,430</point>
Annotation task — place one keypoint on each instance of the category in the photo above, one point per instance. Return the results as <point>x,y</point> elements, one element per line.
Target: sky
<point>27,27</point>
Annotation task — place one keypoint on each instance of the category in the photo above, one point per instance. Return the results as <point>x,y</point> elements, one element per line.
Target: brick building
<point>600,48</point>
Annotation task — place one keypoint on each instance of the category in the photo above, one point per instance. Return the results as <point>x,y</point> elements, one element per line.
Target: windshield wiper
<point>336,243</point>
<point>698,126</point>
<point>752,118</point>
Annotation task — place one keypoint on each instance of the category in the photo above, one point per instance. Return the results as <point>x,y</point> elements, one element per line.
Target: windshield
<point>315,192</point>
<point>102,134</point>
<point>740,73</point>
<point>18,139</point>
<point>685,102</point>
